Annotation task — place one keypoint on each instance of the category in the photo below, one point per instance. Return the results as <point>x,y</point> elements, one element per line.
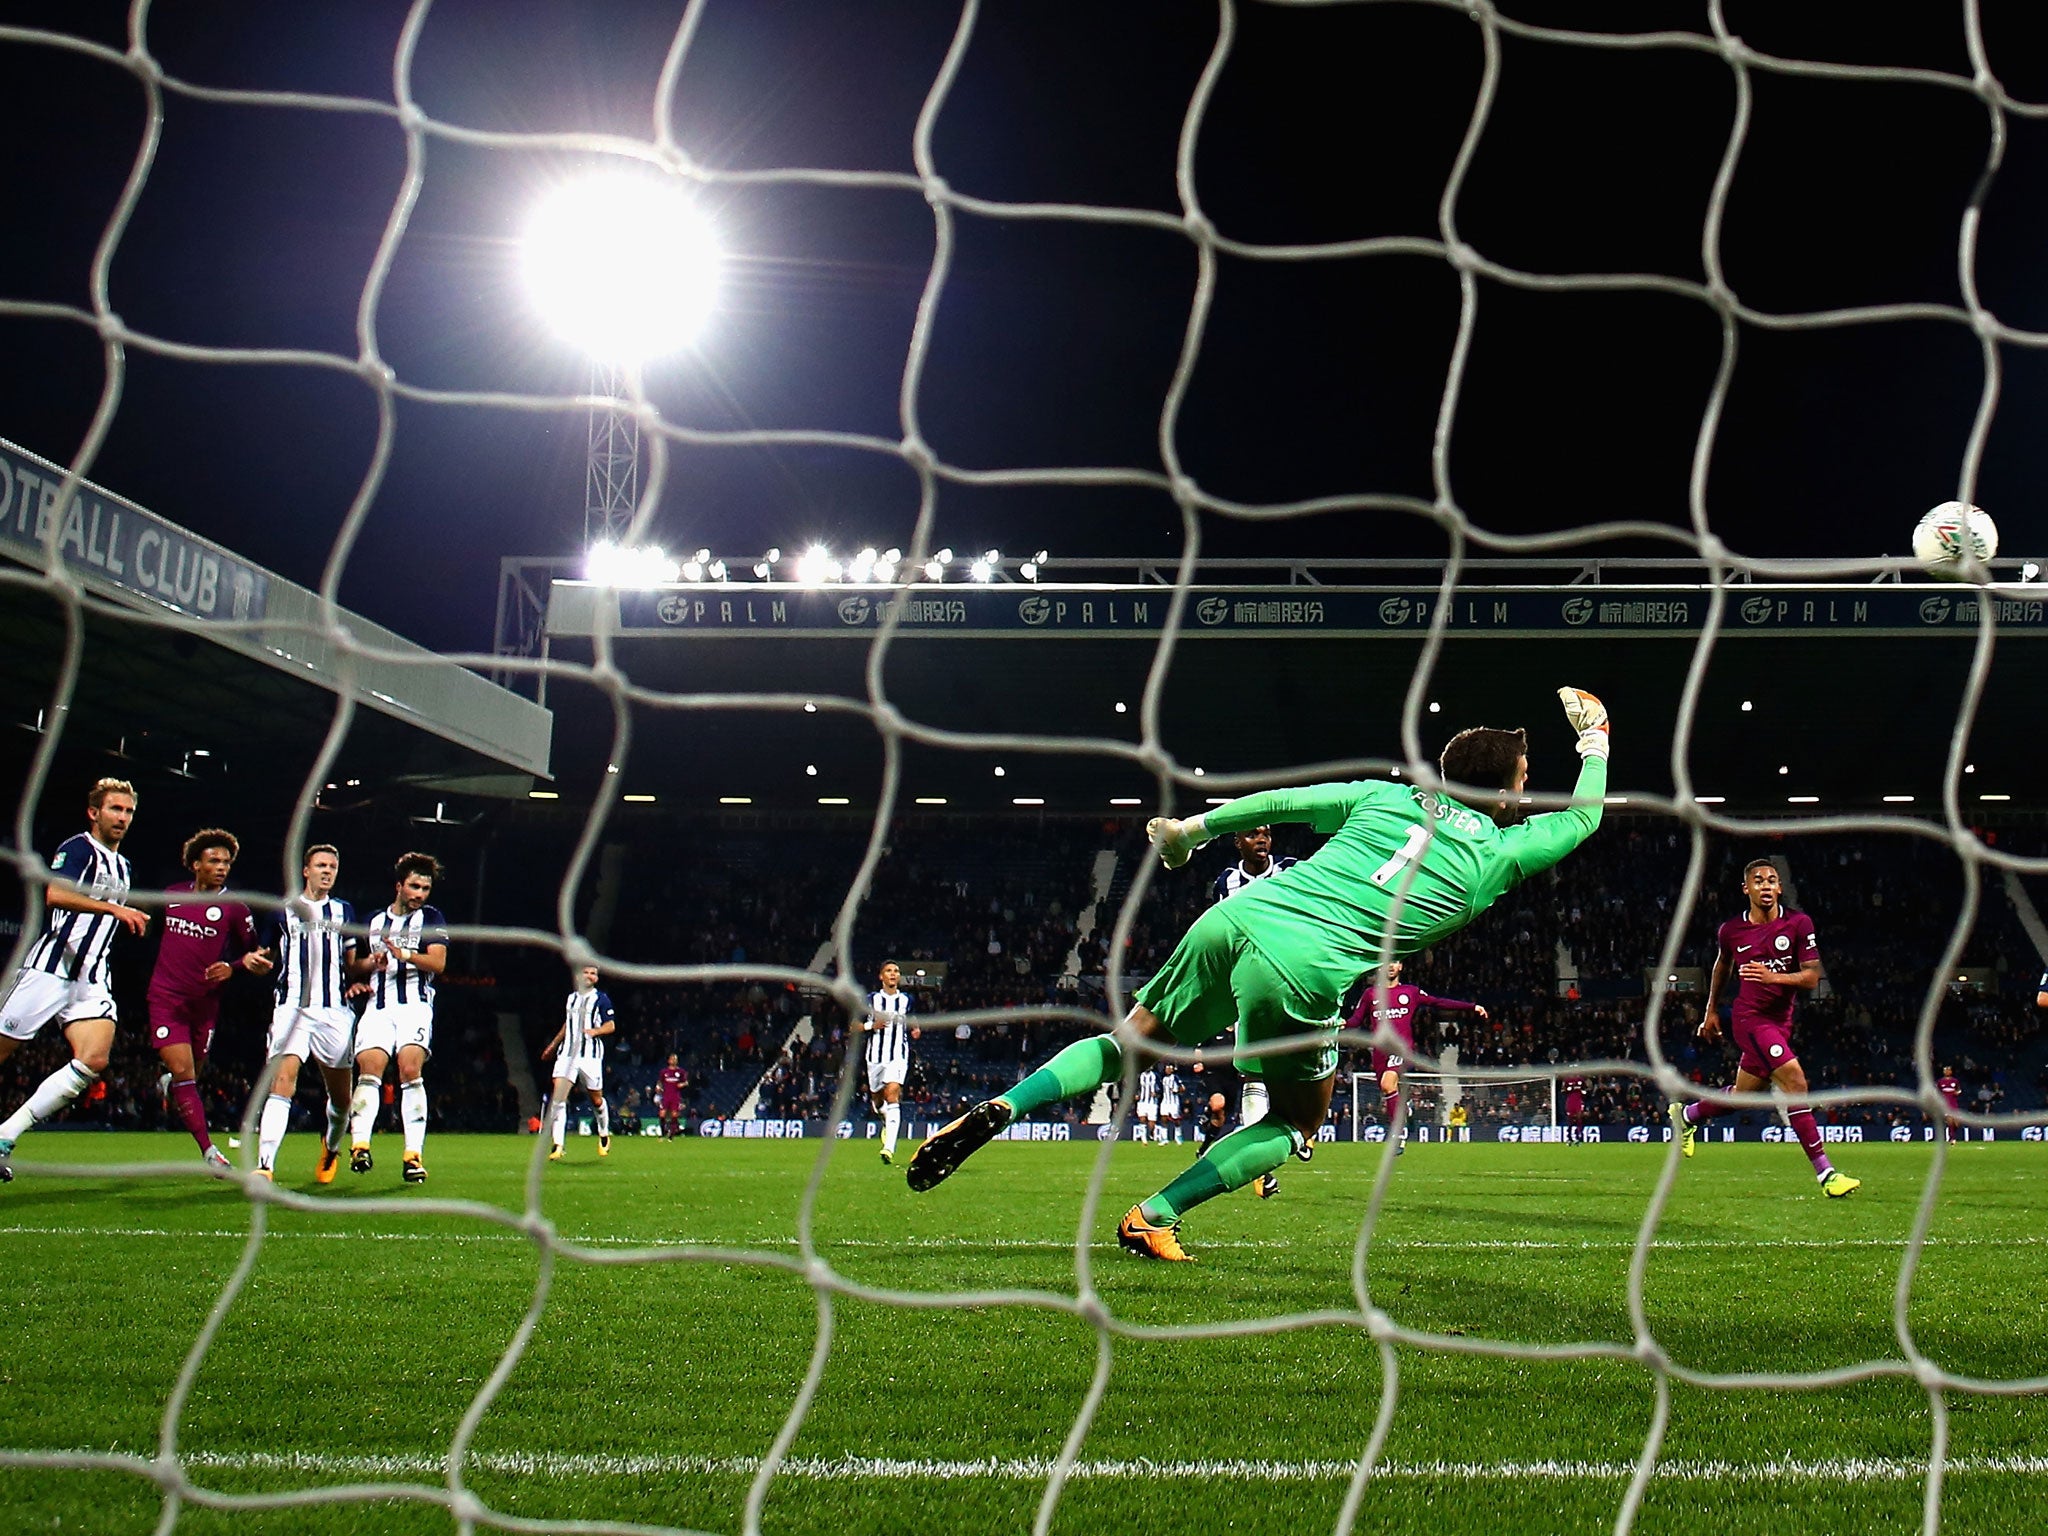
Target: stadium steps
<point>804,1031</point>
<point>611,879</point>
<point>518,1064</point>
<point>2030,917</point>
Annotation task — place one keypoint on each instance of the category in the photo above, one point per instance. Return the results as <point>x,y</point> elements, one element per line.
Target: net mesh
<point>182,1478</point>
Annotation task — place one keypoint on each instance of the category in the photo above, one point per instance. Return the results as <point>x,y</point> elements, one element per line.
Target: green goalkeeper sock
<point>1081,1066</point>
<point>1245,1154</point>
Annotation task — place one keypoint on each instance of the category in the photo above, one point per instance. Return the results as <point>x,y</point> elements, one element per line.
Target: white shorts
<point>322,1035</point>
<point>881,1073</point>
<point>1148,1109</point>
<point>585,1072</point>
<point>37,997</point>
<point>396,1024</point>
<point>1169,1107</point>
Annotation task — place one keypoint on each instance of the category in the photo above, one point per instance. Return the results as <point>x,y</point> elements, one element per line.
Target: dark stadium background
<point>1054,345</point>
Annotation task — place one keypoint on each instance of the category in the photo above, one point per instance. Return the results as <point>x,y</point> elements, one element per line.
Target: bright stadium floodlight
<point>622,265</point>
<point>862,566</point>
<point>816,566</point>
<point>981,570</point>
<point>624,565</point>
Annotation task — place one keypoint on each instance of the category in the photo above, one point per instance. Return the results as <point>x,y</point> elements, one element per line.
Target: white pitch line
<point>997,1244</point>
<point>1039,1468</point>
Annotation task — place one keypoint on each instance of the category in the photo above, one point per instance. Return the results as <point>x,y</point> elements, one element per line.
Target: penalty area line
<point>1840,1470</point>
<point>1001,1244</point>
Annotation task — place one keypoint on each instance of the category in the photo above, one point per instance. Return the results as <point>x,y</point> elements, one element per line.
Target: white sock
<point>604,1118</point>
<point>277,1115</point>
<point>51,1095</point>
<point>558,1122</point>
<point>892,1122</point>
<point>337,1122</point>
<point>412,1113</point>
<point>362,1113</point>
<point>1253,1103</point>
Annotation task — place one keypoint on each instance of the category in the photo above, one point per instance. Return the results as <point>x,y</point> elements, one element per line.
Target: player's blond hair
<point>97,795</point>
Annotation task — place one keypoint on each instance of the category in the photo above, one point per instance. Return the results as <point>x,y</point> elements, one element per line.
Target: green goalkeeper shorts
<point>1216,979</point>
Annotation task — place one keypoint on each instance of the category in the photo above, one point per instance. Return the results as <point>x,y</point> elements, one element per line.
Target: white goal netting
<point>183,1480</point>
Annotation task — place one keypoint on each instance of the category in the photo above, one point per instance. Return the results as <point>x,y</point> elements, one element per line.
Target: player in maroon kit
<point>1774,954</point>
<point>671,1080</point>
<point>1951,1091</point>
<point>205,938</point>
<point>1388,1002</point>
<point>1575,1109</point>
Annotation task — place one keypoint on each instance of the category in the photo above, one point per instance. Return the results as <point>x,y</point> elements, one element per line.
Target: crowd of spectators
<point>1008,920</point>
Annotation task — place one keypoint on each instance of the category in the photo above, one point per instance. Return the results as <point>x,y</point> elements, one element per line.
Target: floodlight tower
<point>624,268</point>
<point>611,480</point>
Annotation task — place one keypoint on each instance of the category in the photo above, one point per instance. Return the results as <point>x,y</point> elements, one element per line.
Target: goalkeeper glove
<point>1588,716</point>
<point>1176,840</point>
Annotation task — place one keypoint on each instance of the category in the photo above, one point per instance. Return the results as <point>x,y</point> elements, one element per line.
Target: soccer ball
<point>1951,534</point>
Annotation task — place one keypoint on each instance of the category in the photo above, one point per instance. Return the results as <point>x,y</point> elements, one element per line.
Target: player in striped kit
<point>1148,1104</point>
<point>578,1052</point>
<point>887,1027</point>
<point>1255,862</point>
<point>66,974</point>
<point>408,945</point>
<point>317,960</point>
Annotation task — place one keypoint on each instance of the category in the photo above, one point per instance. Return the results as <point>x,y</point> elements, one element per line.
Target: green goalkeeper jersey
<point>1321,922</point>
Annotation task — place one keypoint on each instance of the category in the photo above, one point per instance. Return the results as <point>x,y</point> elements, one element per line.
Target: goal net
<point>1066,1391</point>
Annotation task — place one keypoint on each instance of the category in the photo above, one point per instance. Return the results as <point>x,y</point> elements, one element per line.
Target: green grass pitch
<point>650,1391</point>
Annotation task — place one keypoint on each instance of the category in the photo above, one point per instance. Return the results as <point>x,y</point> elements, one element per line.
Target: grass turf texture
<point>649,1391</point>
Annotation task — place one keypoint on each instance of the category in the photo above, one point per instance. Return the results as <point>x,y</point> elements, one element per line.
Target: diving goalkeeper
<point>1277,959</point>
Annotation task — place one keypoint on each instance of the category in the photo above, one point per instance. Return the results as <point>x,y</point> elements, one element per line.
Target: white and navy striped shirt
<point>587,1011</point>
<point>889,1041</point>
<point>401,981</point>
<point>1237,877</point>
<point>1169,1092</point>
<point>1148,1088</point>
<point>75,945</point>
<point>312,952</point>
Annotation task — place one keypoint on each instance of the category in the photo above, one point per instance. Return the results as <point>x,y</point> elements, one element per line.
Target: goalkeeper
<point>1402,864</point>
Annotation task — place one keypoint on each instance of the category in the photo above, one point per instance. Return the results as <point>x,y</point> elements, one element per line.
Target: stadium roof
<point>189,652</point>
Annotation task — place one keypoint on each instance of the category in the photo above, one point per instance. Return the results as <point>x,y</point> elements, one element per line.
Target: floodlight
<point>934,570</point>
<point>621,264</point>
<point>815,565</point>
<point>980,570</point>
<point>623,565</point>
<point>761,569</point>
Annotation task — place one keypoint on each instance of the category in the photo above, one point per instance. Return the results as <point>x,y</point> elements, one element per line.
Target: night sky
<point>1055,341</point>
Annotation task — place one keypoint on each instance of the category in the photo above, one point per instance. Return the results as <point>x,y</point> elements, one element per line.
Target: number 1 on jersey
<point>1408,853</point>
